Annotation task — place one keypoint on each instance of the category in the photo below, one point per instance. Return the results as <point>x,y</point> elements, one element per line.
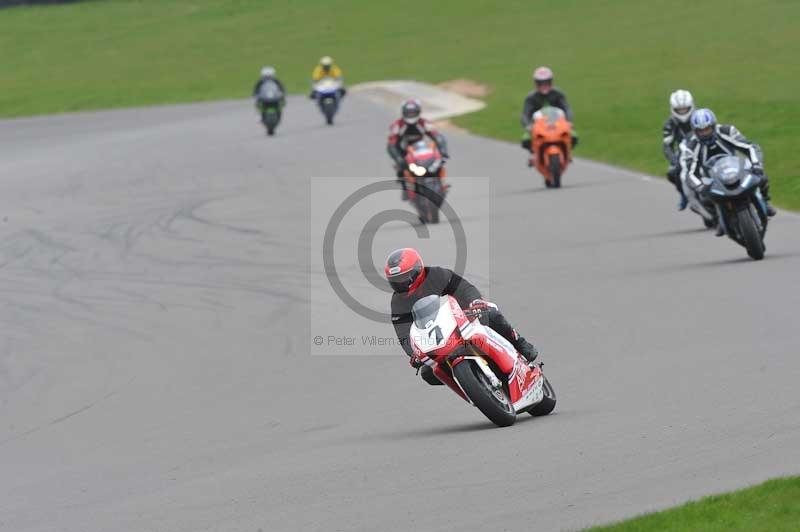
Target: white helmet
<point>681,105</point>
<point>542,74</point>
<point>326,61</point>
<point>267,72</point>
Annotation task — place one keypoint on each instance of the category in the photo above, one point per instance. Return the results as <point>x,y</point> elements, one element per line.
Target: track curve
<point>155,370</point>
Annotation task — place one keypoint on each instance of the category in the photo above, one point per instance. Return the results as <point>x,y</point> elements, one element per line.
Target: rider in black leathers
<point>268,73</point>
<point>545,94</point>
<point>677,129</point>
<point>710,139</point>
<point>412,281</point>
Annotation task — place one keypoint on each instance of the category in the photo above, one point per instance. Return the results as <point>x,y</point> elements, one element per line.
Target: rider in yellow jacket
<point>326,68</point>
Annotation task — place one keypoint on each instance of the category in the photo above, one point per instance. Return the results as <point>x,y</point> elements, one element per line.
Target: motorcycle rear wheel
<point>499,410</point>
<point>548,403</point>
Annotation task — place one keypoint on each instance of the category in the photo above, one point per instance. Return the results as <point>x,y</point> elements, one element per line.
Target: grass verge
<point>773,506</point>
<point>617,59</point>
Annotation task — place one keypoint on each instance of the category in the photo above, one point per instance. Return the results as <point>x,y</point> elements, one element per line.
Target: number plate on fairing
<point>436,332</point>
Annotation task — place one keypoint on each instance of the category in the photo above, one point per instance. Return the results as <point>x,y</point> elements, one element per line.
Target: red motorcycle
<point>424,179</point>
<point>476,362</point>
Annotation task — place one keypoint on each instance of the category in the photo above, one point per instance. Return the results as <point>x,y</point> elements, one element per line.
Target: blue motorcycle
<point>328,93</point>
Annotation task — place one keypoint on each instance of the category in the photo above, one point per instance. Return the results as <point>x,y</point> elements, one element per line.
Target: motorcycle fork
<point>762,206</point>
<point>411,185</point>
<point>448,378</point>
<point>721,220</point>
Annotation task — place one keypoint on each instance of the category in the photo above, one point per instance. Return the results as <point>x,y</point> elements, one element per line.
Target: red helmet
<point>404,270</point>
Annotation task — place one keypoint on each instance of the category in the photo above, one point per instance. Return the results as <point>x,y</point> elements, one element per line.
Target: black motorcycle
<point>740,207</point>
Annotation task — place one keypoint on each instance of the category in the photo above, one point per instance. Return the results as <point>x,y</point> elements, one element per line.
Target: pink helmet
<point>542,74</point>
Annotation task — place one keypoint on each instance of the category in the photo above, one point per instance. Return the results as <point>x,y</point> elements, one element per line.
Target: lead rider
<point>411,281</point>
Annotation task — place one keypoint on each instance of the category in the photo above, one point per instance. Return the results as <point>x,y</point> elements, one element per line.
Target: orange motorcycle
<point>551,144</point>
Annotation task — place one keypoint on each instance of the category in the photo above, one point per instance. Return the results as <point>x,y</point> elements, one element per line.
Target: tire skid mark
<point>62,275</point>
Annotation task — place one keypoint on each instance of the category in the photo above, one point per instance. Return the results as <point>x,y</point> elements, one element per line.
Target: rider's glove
<point>479,307</point>
<point>758,169</point>
<point>415,362</point>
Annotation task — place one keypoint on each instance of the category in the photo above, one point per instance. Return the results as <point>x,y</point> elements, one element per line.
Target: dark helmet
<point>404,270</point>
<point>411,110</point>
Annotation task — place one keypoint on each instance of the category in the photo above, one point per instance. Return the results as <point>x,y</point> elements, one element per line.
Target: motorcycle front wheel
<point>494,403</point>
<point>751,236</point>
<point>555,170</point>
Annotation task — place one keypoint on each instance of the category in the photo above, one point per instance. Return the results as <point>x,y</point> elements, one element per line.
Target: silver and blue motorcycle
<point>733,190</point>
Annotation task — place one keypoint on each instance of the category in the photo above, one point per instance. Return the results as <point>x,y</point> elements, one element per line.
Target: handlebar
<point>472,313</point>
<point>477,312</point>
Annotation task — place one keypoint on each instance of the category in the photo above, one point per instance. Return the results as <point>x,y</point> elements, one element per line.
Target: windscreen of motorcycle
<point>270,91</point>
<point>424,155</point>
<point>551,114</point>
<point>729,170</point>
<point>328,85</point>
<point>425,311</point>
<point>432,329</point>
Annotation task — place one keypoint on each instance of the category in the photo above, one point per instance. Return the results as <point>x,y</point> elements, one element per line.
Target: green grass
<point>617,59</point>
<point>773,506</point>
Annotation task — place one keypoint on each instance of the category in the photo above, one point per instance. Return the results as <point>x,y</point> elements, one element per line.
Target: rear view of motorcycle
<point>270,104</point>
<point>741,210</point>
<point>423,176</point>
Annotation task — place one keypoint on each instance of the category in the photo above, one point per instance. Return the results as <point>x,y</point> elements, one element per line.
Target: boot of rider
<point>764,186</point>
<point>526,349</point>
<point>674,177</point>
<point>500,324</point>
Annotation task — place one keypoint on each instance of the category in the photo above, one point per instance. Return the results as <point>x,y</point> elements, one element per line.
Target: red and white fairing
<point>451,329</point>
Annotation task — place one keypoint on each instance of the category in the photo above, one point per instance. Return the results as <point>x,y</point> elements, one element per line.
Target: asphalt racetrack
<point>159,291</point>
